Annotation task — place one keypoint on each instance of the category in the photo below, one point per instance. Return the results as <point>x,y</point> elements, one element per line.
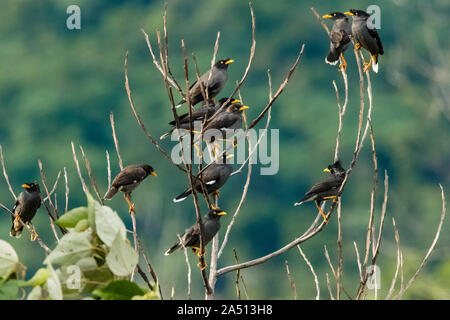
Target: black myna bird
<point>127,180</point>
<point>366,37</point>
<point>25,208</point>
<point>213,177</point>
<point>214,84</point>
<point>191,236</point>
<point>207,110</point>
<point>340,38</point>
<point>327,189</point>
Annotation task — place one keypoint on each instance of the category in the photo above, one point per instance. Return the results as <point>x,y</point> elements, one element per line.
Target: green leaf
<point>72,217</point>
<point>150,295</point>
<point>122,258</point>
<point>54,285</point>
<point>108,224</point>
<point>39,278</point>
<point>82,225</point>
<point>71,248</point>
<point>9,290</point>
<point>120,290</point>
<point>8,259</point>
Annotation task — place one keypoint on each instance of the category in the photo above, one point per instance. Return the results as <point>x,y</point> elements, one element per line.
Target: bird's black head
<point>148,169</point>
<point>223,100</point>
<point>335,168</point>
<point>334,16</point>
<point>358,13</point>
<point>216,212</point>
<point>223,64</point>
<point>236,108</point>
<point>31,186</point>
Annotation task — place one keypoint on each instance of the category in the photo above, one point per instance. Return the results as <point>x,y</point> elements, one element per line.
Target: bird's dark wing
<point>129,175</point>
<point>330,183</point>
<point>223,120</point>
<point>373,32</point>
<point>191,236</point>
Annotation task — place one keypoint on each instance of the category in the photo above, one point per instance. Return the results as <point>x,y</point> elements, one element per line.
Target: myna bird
<point>366,37</point>
<point>229,118</point>
<point>327,189</point>
<point>25,209</point>
<point>127,180</point>
<point>213,177</point>
<point>191,236</point>
<point>198,116</point>
<point>214,84</point>
<point>340,38</point>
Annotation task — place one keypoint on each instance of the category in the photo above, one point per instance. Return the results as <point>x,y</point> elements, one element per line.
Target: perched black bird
<point>191,236</point>
<point>25,208</point>
<point>340,38</point>
<point>213,177</point>
<point>229,118</point>
<point>214,84</point>
<point>327,189</point>
<point>127,180</point>
<point>207,110</point>
<point>366,36</point>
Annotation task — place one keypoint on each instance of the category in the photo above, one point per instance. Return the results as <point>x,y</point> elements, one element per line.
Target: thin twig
<point>116,142</point>
<point>5,174</point>
<point>430,250</point>
<point>316,280</point>
<point>291,281</point>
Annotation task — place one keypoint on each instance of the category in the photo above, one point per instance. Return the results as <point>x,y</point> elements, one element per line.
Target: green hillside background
<point>59,85</point>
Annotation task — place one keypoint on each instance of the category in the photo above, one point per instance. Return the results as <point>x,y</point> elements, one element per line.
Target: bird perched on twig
<point>327,189</point>
<point>198,116</point>
<point>366,36</point>
<point>191,236</point>
<point>214,177</point>
<point>129,179</point>
<point>212,81</point>
<point>340,38</point>
<point>25,209</point>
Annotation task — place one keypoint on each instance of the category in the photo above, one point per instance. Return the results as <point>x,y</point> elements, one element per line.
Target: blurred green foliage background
<point>59,85</point>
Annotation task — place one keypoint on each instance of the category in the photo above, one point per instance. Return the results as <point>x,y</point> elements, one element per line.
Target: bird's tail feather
<point>333,57</point>
<point>182,196</point>
<point>173,248</point>
<point>180,103</point>
<point>375,63</point>
<point>16,231</point>
<point>111,193</point>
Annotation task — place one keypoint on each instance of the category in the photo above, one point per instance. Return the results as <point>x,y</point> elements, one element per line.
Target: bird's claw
<point>34,235</point>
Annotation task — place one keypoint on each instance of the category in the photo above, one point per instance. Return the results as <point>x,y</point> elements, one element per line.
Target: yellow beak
<point>348,13</point>
<point>221,213</point>
<point>229,61</point>
<point>230,156</point>
<point>243,108</point>
<point>326,170</point>
<point>327,16</point>
<point>153,173</point>
<point>26,186</point>
<point>235,101</point>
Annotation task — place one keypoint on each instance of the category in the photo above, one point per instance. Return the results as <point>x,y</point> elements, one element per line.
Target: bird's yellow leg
<point>16,219</point>
<point>34,235</point>
<point>323,214</point>
<point>202,267</point>
<point>330,197</point>
<point>199,154</point>
<point>343,65</point>
<point>367,65</point>
<point>357,46</point>
<point>131,205</point>
<point>217,193</point>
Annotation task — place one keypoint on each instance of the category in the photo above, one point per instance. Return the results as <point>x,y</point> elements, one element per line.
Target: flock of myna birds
<point>224,115</point>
